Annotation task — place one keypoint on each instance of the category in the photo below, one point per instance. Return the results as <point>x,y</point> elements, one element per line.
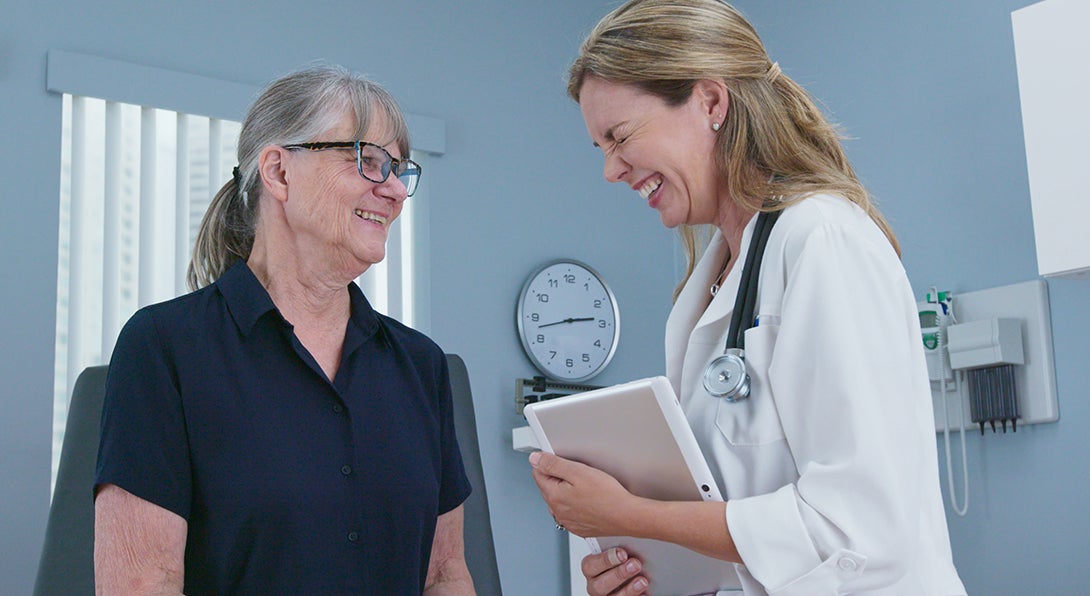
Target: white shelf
<point>522,439</point>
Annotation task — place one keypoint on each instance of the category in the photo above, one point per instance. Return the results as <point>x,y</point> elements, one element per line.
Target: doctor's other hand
<point>614,573</point>
<point>584,500</point>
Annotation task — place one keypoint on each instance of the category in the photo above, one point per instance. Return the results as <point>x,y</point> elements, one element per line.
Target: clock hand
<point>567,320</point>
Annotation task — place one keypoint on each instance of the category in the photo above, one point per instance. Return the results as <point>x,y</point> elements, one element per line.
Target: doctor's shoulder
<point>823,215</point>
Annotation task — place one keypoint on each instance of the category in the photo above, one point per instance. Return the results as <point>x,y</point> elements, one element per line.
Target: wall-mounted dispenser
<point>988,350</point>
<point>1009,325</point>
<point>989,357</point>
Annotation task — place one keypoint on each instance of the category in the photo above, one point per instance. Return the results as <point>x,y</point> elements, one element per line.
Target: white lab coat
<point>830,467</point>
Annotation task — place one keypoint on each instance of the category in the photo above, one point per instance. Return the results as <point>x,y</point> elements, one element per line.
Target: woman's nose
<point>615,168</point>
<point>393,189</point>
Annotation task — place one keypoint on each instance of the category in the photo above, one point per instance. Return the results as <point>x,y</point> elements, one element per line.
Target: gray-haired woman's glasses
<point>373,162</point>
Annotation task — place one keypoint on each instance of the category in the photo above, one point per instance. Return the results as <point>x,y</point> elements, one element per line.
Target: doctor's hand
<point>585,500</point>
<point>613,573</point>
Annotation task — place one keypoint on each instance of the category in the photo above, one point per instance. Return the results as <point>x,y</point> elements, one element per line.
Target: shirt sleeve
<point>144,447</point>
<point>845,380</point>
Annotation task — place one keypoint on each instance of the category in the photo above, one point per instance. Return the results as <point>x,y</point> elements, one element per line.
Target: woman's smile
<point>371,216</point>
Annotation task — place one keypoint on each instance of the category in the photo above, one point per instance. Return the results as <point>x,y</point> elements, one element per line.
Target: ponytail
<point>226,235</point>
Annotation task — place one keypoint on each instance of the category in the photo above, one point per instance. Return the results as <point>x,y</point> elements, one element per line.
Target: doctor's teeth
<point>651,186</point>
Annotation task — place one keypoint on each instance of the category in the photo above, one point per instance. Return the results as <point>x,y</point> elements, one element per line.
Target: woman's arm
<point>447,571</point>
<point>589,502</point>
<point>139,546</point>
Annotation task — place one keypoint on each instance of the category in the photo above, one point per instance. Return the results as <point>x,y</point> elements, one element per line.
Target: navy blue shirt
<point>290,483</point>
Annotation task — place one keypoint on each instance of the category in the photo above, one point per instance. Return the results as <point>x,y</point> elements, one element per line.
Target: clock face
<point>568,321</point>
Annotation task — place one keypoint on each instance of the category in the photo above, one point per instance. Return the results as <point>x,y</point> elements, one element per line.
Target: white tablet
<point>637,432</point>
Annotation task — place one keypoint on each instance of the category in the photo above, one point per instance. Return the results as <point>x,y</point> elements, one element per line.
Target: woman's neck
<point>732,221</point>
<point>302,294</point>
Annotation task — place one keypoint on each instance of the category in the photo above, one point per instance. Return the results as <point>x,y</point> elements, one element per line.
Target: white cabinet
<point>1052,51</point>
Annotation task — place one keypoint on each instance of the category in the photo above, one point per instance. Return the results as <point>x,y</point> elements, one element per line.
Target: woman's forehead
<point>379,131</point>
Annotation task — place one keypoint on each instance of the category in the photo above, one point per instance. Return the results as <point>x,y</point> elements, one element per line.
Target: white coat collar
<point>695,308</point>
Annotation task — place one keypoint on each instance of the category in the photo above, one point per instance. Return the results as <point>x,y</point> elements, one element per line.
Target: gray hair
<point>294,108</point>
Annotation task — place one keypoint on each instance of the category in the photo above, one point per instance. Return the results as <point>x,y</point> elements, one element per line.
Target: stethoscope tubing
<point>746,299</point>
<point>726,375</point>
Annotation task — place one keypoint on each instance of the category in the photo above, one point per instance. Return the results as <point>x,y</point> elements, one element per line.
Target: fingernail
<point>640,584</point>
<point>534,457</point>
<point>616,556</point>
<point>632,567</point>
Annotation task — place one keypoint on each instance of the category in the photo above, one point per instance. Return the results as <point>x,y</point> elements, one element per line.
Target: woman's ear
<point>714,100</point>
<point>272,167</point>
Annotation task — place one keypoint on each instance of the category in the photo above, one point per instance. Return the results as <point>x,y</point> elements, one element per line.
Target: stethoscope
<point>726,376</point>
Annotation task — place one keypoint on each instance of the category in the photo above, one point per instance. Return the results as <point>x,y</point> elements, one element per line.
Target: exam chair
<point>67,563</point>
<point>480,551</point>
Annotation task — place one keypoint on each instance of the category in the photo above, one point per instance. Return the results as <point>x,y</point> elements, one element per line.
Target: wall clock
<point>568,320</point>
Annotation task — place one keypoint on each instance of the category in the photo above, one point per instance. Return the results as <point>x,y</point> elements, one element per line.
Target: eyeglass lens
<point>376,164</point>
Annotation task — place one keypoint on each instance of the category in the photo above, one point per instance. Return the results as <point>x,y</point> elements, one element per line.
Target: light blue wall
<point>926,88</point>
<point>519,184</point>
<point>928,92</point>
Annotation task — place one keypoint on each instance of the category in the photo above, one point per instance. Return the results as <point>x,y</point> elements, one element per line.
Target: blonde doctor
<point>829,465</point>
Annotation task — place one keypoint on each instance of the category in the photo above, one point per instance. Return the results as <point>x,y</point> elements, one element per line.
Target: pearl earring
<point>715,126</point>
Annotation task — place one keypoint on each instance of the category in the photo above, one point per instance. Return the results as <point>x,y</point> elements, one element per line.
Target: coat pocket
<point>753,421</point>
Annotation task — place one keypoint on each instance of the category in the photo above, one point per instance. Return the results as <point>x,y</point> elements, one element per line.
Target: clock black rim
<point>613,306</point>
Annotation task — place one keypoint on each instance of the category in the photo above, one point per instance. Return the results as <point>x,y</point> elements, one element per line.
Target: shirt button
<point>346,470</point>
<point>847,564</point>
<point>337,408</point>
<point>353,536</point>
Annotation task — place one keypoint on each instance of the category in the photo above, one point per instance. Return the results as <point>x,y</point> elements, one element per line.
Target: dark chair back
<point>67,563</point>
<point>480,551</point>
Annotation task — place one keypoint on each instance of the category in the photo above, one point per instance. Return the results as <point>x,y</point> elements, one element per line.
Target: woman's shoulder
<point>410,339</point>
<point>831,229</point>
<point>172,326</point>
<point>174,314</point>
<point>826,214</point>
<point>820,210</point>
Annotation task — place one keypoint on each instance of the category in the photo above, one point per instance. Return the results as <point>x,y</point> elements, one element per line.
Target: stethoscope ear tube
<point>726,376</point>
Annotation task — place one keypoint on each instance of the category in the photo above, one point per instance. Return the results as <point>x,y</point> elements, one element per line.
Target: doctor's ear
<point>714,100</point>
<point>272,167</point>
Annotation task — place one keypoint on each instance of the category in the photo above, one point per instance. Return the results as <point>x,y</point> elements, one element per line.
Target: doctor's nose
<point>615,168</point>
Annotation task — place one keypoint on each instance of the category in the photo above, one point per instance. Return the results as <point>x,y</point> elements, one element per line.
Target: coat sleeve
<point>844,376</point>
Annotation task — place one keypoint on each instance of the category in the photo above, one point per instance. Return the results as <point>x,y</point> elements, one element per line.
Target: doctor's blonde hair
<point>775,142</point>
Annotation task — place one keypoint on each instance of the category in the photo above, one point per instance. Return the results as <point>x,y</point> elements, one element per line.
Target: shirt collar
<point>248,301</point>
<point>363,317</point>
<point>246,298</point>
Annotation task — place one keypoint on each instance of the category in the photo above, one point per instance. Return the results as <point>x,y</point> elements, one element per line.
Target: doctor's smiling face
<point>664,153</point>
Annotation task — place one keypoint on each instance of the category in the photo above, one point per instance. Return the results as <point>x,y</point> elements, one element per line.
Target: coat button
<point>338,408</point>
<point>847,564</point>
<point>346,470</point>
<point>353,536</point>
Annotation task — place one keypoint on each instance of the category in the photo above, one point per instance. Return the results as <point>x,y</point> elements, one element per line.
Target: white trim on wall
<point>125,82</point>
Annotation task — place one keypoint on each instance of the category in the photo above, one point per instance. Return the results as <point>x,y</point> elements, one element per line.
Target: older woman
<point>826,454</point>
<point>271,433</point>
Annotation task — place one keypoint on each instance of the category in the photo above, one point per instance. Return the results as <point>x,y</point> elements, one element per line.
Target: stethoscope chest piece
<point>726,376</point>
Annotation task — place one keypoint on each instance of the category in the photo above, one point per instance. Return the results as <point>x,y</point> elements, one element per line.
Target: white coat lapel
<point>693,316</point>
<point>691,304</point>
